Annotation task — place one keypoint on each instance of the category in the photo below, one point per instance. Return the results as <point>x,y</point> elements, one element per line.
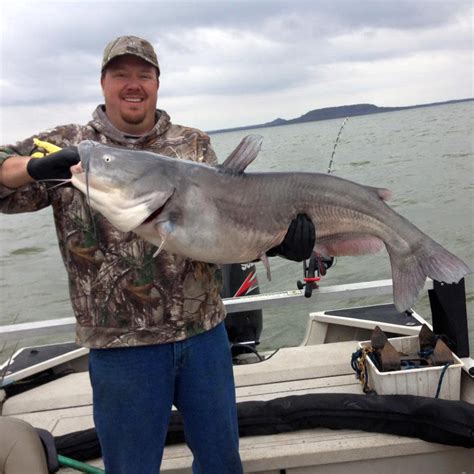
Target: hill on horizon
<point>342,111</point>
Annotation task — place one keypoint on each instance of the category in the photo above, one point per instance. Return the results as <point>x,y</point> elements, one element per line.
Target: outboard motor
<point>243,328</point>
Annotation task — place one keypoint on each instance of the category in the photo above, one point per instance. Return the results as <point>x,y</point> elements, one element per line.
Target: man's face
<point>130,88</point>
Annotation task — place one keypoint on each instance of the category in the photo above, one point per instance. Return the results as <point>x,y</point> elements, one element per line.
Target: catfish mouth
<point>158,211</point>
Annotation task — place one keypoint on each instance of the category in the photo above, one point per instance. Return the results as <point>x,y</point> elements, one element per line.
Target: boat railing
<point>321,295</point>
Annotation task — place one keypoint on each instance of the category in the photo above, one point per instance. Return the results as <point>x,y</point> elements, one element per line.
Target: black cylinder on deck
<point>243,328</point>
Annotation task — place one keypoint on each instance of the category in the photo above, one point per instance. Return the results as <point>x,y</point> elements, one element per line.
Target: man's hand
<point>54,166</point>
<point>299,241</point>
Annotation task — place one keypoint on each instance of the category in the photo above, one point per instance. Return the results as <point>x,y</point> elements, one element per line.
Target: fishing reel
<point>313,270</point>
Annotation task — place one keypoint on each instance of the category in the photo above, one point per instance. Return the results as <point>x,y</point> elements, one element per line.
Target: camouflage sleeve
<point>30,197</point>
<point>33,196</point>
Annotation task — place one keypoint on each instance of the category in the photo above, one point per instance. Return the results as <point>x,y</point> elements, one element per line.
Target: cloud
<point>241,61</point>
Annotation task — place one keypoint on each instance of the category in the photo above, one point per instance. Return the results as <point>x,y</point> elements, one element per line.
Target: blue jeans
<point>135,387</point>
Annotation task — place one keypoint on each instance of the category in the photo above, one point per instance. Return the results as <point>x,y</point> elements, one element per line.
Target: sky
<point>230,63</point>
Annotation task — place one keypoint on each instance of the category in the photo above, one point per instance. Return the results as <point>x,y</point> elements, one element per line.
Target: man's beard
<point>133,119</point>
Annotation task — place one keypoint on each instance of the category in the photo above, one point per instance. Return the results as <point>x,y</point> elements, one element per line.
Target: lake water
<point>425,156</point>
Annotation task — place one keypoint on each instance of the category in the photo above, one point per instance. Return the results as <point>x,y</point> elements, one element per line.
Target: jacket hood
<point>101,122</point>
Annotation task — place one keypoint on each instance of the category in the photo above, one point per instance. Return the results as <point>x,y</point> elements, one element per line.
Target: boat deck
<point>65,405</point>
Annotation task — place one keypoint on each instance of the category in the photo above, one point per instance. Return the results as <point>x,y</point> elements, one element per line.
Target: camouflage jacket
<point>120,294</point>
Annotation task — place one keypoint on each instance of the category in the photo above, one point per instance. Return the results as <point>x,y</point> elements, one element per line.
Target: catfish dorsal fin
<point>246,151</point>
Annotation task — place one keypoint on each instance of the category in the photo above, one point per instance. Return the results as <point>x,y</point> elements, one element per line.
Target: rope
<point>441,377</point>
<point>425,354</point>
<point>359,365</point>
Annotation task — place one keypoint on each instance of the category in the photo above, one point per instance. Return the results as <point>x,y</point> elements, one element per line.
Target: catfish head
<point>127,187</point>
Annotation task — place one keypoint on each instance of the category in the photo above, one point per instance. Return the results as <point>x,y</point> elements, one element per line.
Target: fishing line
<point>62,182</point>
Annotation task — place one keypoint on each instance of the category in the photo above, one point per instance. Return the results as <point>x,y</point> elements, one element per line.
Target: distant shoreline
<point>329,113</point>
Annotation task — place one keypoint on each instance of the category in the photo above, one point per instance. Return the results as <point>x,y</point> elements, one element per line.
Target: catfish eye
<point>107,159</point>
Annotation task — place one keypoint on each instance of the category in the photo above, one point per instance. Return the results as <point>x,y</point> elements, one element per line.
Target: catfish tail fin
<point>409,272</point>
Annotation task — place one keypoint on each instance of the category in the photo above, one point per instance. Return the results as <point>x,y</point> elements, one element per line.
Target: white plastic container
<point>423,382</point>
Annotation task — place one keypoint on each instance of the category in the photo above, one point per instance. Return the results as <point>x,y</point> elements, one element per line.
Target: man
<point>154,325</point>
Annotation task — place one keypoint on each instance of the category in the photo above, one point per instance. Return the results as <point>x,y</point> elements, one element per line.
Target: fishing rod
<point>331,161</point>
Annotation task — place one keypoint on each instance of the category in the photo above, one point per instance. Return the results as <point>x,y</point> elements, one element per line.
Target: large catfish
<point>225,215</point>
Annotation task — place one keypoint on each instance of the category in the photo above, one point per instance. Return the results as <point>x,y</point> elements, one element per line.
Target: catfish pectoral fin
<point>164,232</point>
<point>159,248</point>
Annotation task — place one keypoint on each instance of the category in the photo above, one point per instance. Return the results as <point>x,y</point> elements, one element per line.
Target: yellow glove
<point>45,148</point>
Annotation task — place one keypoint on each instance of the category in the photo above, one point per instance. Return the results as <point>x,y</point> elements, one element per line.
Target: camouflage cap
<point>130,45</point>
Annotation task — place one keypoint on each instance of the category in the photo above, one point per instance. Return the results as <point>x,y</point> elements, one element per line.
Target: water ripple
<point>28,251</point>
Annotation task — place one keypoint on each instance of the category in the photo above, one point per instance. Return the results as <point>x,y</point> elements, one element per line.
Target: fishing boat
<point>48,386</point>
